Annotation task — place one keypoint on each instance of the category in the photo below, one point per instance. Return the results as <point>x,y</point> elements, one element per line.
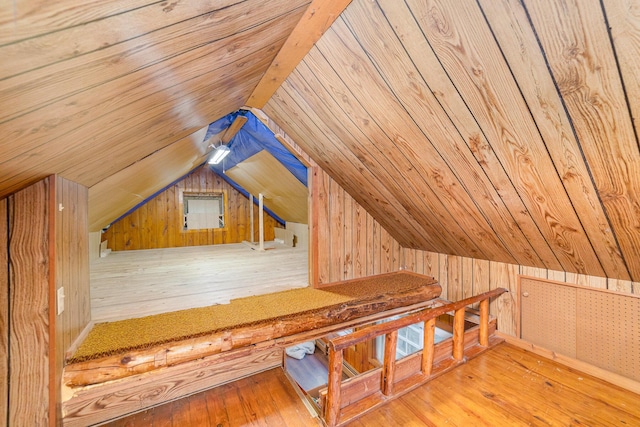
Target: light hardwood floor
<point>506,386</point>
<point>139,283</point>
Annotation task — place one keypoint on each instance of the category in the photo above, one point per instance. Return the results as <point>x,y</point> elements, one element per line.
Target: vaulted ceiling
<point>494,129</point>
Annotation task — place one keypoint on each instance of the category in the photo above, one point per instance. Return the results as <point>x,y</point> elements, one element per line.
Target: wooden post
<point>484,323</point>
<point>332,410</point>
<point>428,348</point>
<point>253,239</point>
<point>261,220</point>
<point>458,334</point>
<point>389,367</point>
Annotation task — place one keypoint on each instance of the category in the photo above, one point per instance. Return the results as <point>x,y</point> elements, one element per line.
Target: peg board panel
<point>548,316</point>
<point>593,325</point>
<point>608,332</point>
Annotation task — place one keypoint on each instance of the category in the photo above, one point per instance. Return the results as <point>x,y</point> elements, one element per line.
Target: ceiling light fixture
<point>219,153</point>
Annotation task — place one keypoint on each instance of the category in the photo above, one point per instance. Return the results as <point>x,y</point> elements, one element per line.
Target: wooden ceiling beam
<point>316,20</point>
<point>234,128</point>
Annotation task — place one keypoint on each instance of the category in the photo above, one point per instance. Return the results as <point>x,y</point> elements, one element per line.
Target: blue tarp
<point>252,138</point>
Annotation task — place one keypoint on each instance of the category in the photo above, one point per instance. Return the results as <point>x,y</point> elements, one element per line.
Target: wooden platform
<point>139,283</point>
<point>148,377</point>
<point>505,386</point>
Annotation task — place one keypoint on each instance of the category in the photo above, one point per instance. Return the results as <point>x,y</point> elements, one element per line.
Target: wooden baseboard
<point>579,365</point>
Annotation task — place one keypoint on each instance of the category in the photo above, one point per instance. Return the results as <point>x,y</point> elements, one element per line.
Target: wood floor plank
<point>505,386</point>
<point>139,283</point>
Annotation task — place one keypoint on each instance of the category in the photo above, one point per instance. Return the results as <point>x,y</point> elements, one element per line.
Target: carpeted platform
<point>106,339</point>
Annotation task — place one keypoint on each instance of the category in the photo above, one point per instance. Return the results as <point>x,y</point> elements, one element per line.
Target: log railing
<point>332,406</point>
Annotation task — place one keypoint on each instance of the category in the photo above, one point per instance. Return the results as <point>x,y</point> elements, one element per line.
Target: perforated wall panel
<point>548,315</point>
<point>592,325</point>
<point>608,332</point>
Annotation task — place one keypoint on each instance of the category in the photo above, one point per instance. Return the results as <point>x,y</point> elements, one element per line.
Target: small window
<point>203,211</point>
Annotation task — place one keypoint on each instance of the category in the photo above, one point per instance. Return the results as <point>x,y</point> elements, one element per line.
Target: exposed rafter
<point>316,20</point>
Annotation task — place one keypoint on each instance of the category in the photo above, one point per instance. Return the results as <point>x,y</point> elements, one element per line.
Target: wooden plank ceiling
<point>494,129</point>
<point>114,95</point>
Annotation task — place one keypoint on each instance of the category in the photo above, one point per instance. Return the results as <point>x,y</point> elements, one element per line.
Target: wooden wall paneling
<point>386,251</point>
<point>375,246</point>
<point>314,185</point>
<point>505,119</point>
<point>533,271</point>
<point>408,260</point>
<point>377,199</point>
<point>443,275</point>
<point>71,270</point>
<point>467,279</point>
<point>435,77</point>
<point>336,231</point>
<point>158,223</point>
<point>505,307</point>
<point>609,145</point>
<point>360,241</point>
<point>481,276</point>
<point>4,313</point>
<point>432,264</point>
<point>301,122</point>
<point>556,275</point>
<point>324,227</point>
<point>454,278</point>
<point>422,172</point>
<point>29,307</point>
<point>349,249</point>
<point>421,104</point>
<point>120,192</point>
<point>510,26</point>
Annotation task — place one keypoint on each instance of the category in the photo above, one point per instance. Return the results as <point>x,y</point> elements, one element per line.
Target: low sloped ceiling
<point>259,163</point>
<point>89,89</point>
<point>114,196</point>
<point>498,130</point>
<point>283,193</point>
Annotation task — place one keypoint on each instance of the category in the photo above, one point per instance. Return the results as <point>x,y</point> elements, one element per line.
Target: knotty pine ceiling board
<point>355,140</point>
<point>86,31</point>
<point>346,168</point>
<point>509,24</point>
<point>416,98</point>
<point>477,69</point>
<point>457,100</point>
<point>130,99</point>
<point>584,67</point>
<point>430,71</point>
<point>423,170</point>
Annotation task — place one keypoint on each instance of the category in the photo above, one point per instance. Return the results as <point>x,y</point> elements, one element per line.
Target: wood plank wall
<point>71,269</point>
<point>461,277</point>
<point>4,314</point>
<point>42,247</point>
<point>30,279</point>
<point>158,223</point>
